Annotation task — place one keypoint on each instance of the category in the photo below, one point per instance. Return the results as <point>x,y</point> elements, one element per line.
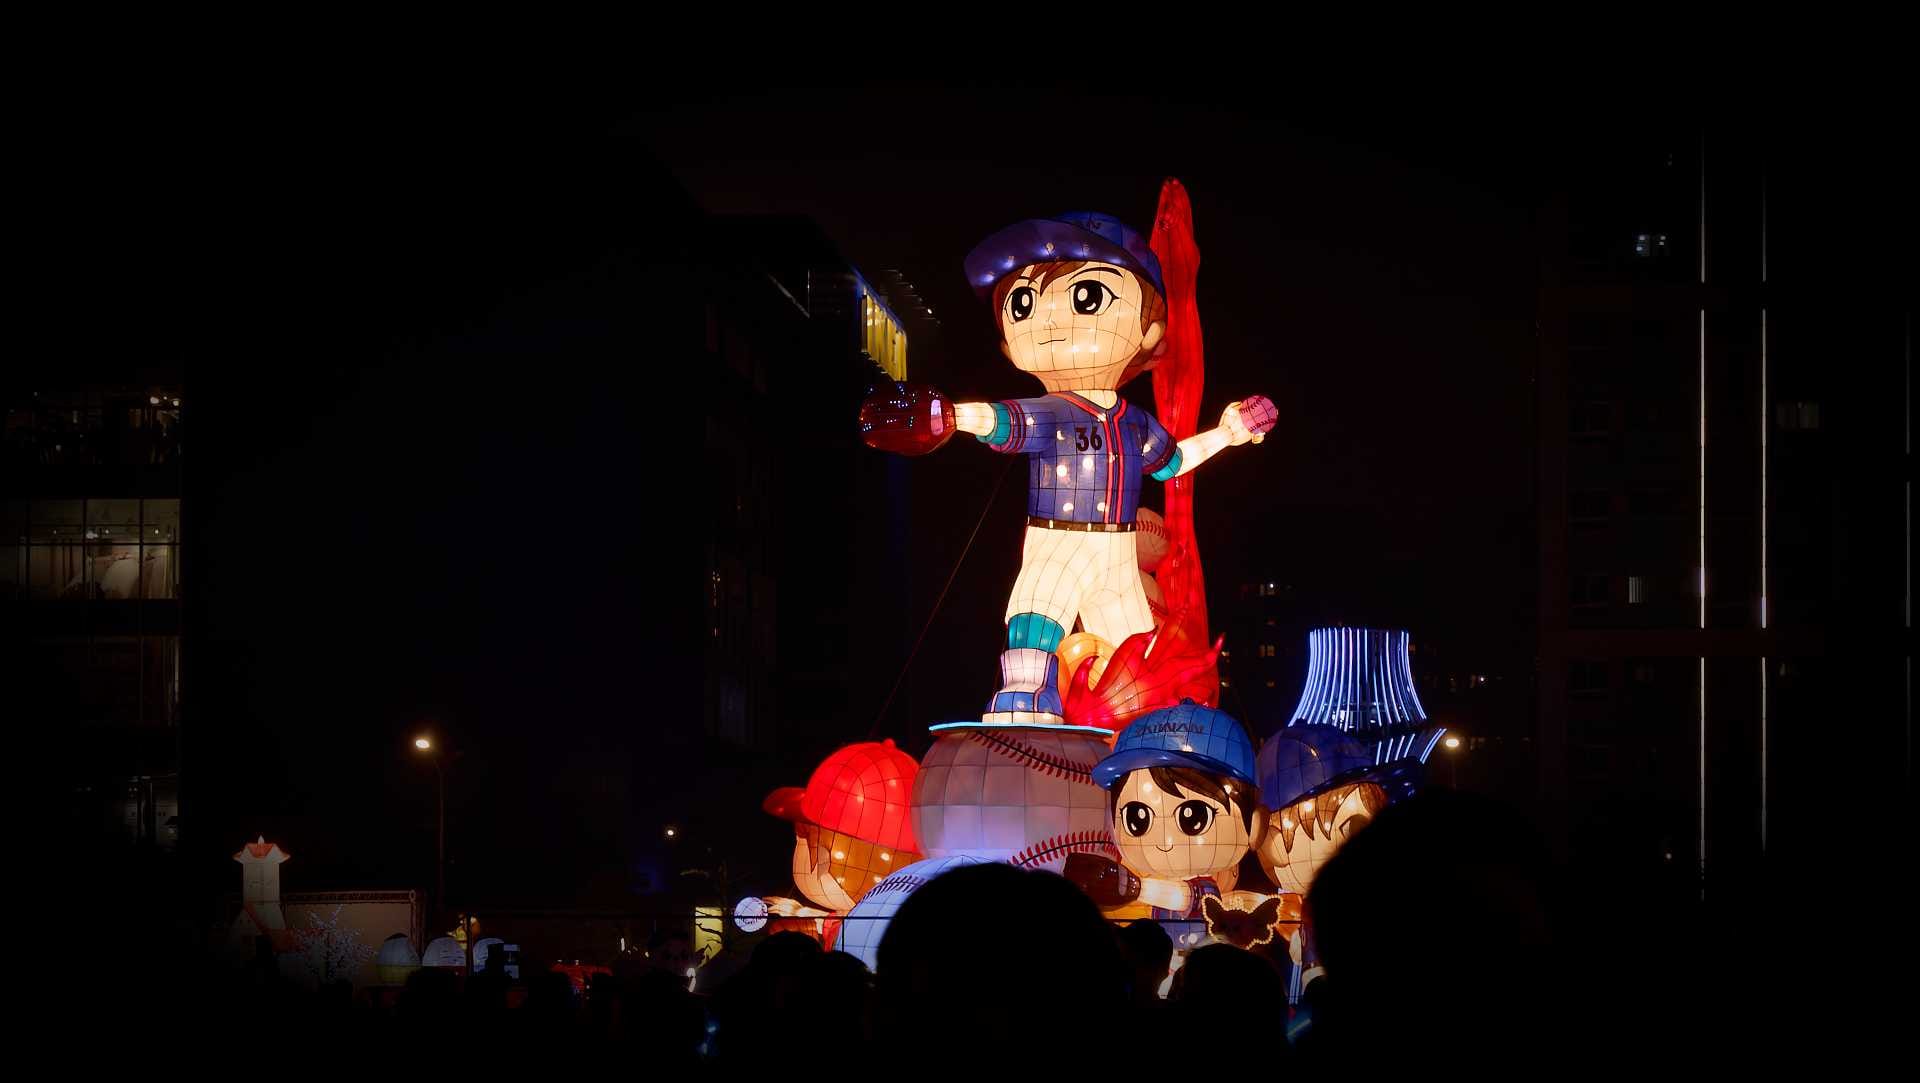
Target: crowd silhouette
<point>1445,930</point>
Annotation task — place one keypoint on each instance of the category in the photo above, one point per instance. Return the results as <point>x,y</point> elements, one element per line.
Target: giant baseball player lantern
<point>1084,304</point>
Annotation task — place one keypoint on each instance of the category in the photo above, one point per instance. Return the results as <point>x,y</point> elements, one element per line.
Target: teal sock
<point>1035,631</point>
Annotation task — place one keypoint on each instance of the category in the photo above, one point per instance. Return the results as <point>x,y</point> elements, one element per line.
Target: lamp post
<point>1453,761</point>
<point>426,747</point>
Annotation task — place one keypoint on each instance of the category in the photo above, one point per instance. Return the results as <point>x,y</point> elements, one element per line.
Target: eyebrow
<point>1097,270</point>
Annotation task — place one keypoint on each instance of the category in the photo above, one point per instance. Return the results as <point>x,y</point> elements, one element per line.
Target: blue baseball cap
<point>1079,235</point>
<point>1301,761</point>
<point>1187,735</point>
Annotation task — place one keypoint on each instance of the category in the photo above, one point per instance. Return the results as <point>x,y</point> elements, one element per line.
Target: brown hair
<point>1372,798</point>
<point>1172,779</point>
<point>1153,307</point>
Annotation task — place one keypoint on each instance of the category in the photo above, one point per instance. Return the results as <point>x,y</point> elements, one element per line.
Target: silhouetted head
<point>784,953</point>
<point>1148,952</point>
<point>838,976</point>
<point>671,949</point>
<point>549,991</point>
<point>430,997</point>
<point>1013,959</point>
<point>1441,909</point>
<point>1225,987</point>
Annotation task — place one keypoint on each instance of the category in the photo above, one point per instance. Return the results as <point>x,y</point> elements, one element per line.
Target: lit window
<point>1636,589</point>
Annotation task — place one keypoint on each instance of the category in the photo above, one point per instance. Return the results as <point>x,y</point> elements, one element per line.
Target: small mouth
<point>1049,341</point>
<point>1164,849</point>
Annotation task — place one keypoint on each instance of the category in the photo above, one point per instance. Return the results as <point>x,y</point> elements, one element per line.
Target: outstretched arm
<point>974,417</point>
<point>1112,884</point>
<point>1008,426</point>
<point>1234,429</point>
<point>1172,895</point>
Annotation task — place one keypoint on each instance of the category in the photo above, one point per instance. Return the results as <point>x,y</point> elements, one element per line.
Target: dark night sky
<point>390,537</point>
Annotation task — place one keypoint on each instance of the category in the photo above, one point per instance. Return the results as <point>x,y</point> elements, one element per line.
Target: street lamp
<point>425,745</point>
<point>1453,761</point>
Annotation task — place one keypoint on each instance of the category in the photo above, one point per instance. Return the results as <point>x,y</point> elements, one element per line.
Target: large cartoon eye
<point>1194,817</point>
<point>1020,303</point>
<point>1136,818</point>
<point>1352,824</point>
<point>1091,298</point>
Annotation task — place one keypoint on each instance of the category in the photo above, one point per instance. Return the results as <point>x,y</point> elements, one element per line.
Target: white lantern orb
<point>750,914</point>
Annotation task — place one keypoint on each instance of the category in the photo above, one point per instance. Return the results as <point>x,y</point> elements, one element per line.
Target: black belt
<point>1091,528</point>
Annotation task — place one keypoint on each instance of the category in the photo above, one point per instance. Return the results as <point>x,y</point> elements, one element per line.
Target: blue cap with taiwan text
<point>1079,235</point>
<point>1189,735</point>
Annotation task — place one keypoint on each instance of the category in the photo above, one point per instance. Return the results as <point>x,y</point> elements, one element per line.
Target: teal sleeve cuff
<point>1169,470</point>
<point>1002,426</point>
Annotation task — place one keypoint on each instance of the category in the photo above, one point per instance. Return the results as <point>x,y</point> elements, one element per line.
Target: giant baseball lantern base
<point>1015,794</point>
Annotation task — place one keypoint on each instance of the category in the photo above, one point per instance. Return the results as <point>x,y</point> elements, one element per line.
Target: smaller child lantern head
<point>851,823</point>
<point>1078,299</point>
<point>1181,789</point>
<point>1316,790</point>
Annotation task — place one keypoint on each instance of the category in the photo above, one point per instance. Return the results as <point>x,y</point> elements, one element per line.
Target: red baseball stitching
<point>895,883</point>
<point>1046,763</point>
<point>1078,842</point>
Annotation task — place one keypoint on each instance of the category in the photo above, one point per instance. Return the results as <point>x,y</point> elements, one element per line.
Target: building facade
<point>1707,539</point>
<point>92,577</point>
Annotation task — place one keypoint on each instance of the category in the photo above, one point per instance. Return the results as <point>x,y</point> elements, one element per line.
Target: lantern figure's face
<point>833,869</point>
<point>1303,836</point>
<point>1077,330</point>
<point>1176,835</point>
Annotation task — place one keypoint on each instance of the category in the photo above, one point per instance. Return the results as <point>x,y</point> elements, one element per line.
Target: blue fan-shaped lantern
<point>1360,680</point>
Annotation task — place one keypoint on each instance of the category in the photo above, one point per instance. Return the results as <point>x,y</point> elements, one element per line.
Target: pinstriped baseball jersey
<point>1086,461</point>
